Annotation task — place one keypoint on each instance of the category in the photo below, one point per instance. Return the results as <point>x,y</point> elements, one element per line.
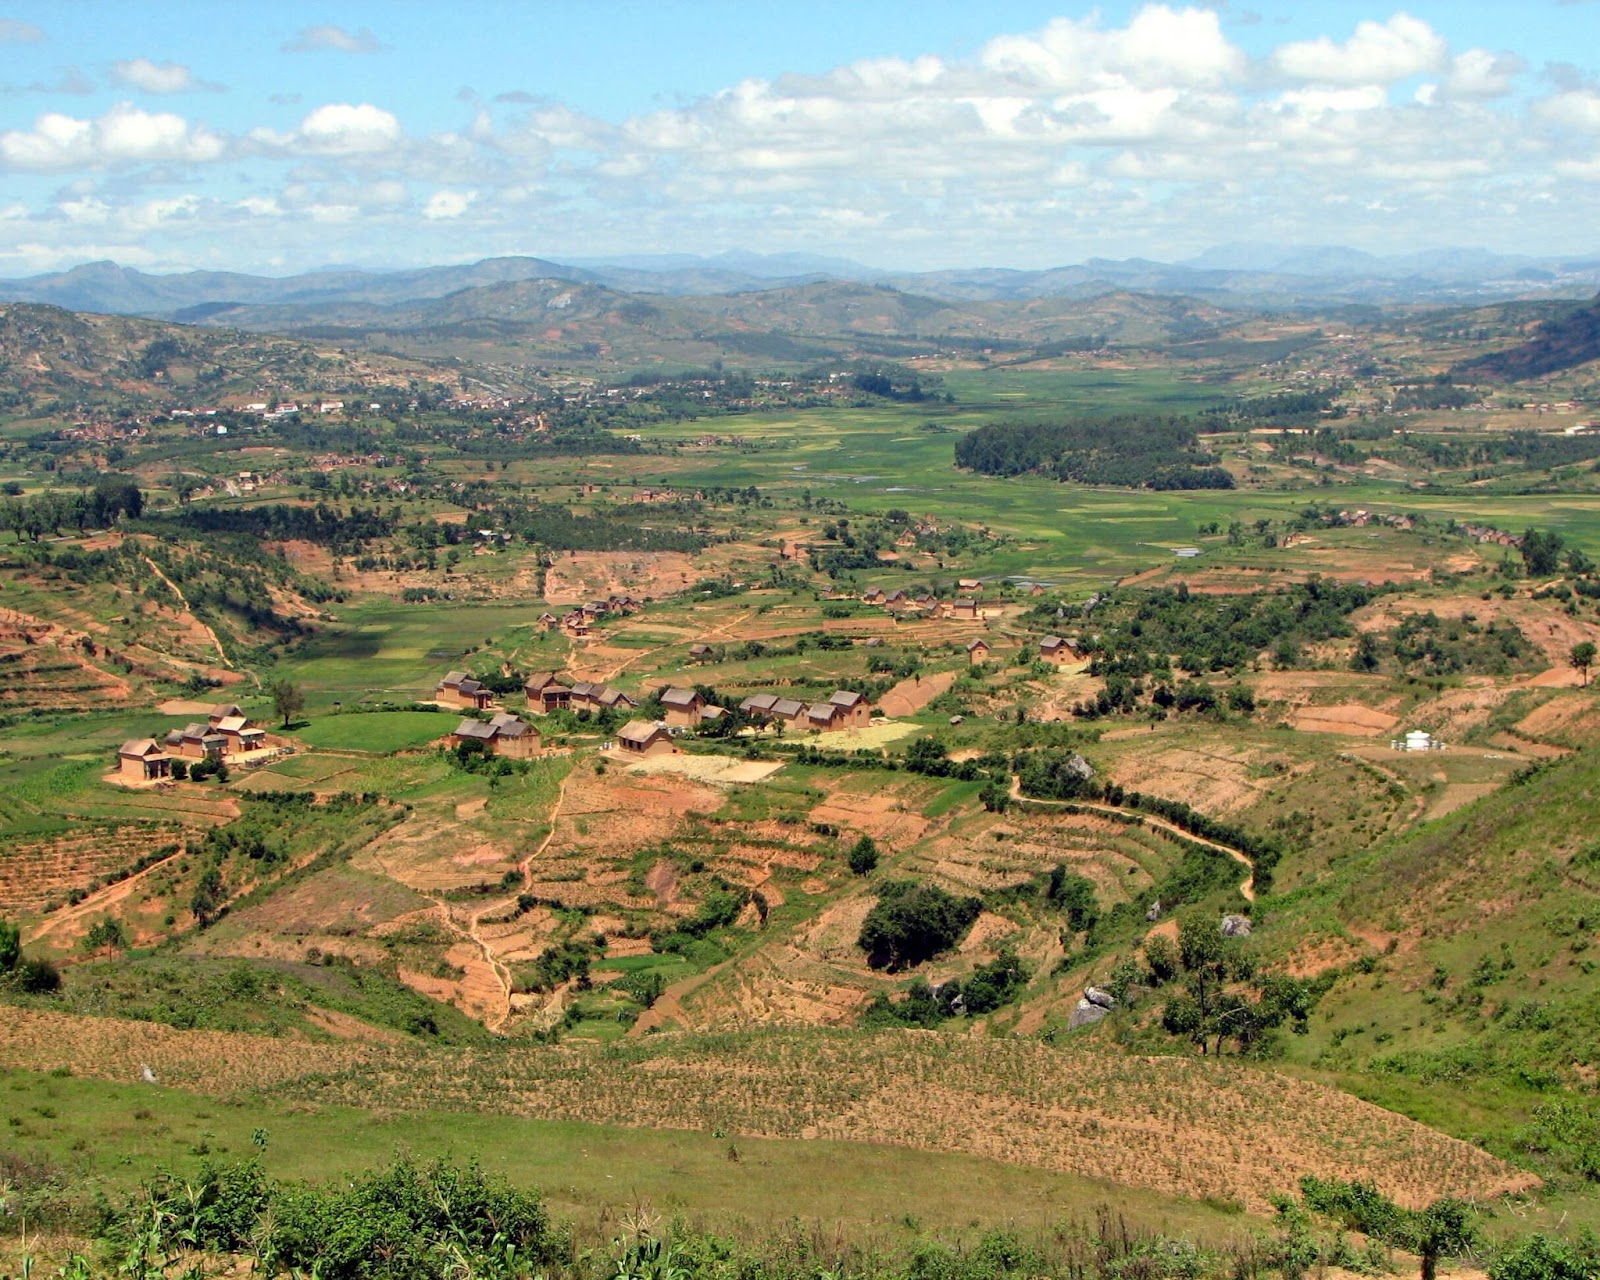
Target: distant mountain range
<point>1236,276</point>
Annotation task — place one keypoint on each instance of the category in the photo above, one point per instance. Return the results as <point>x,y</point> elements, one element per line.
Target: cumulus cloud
<point>124,135</point>
<point>338,129</point>
<point>1160,46</point>
<point>1477,73</point>
<point>15,32</point>
<point>328,37</point>
<point>156,77</point>
<point>1378,53</point>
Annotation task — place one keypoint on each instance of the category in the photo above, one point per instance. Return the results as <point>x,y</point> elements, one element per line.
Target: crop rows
<point>34,874</point>
<point>1175,1125</point>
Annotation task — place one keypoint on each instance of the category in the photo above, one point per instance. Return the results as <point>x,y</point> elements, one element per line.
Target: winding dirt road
<point>1247,887</point>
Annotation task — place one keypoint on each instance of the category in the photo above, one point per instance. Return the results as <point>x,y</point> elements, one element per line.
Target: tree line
<point>1128,450</point>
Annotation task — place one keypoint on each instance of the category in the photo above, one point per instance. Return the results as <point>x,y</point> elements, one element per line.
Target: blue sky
<point>914,135</point>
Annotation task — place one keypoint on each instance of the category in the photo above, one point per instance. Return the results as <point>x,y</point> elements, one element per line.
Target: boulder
<point>1235,926</point>
<point>1085,1014</point>
<point>1154,913</point>
<point>1101,998</point>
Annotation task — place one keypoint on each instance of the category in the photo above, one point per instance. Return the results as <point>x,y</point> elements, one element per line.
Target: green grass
<point>380,732</point>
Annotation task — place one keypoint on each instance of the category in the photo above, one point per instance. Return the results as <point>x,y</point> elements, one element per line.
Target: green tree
<point>1074,894</point>
<point>209,894</point>
<point>913,922</point>
<point>288,699</point>
<point>863,856</point>
<point>1444,1228</point>
<point>105,934</point>
<point>10,946</point>
<point>1541,551</point>
<point>1582,657</point>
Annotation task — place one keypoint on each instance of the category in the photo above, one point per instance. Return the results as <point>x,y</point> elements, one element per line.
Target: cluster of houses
<point>546,693</point>
<point>505,735</point>
<point>843,709</point>
<point>964,609</point>
<point>225,734</point>
<point>577,621</point>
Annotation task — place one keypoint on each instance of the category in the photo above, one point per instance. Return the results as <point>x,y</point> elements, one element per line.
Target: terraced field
<point>1188,1127</point>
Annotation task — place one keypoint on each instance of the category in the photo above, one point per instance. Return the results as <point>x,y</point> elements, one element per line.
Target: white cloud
<point>156,77</point>
<point>1378,53</point>
<point>1576,108</point>
<point>448,204</point>
<point>343,129</point>
<point>14,32</point>
<point>1160,46</point>
<point>123,135</point>
<point>1477,73</point>
<point>329,37</point>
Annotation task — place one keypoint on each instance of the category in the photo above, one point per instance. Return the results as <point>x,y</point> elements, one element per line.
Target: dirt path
<point>475,921</point>
<point>668,1007</point>
<point>645,653</point>
<point>100,902</point>
<point>222,655</point>
<point>910,696</point>
<point>1247,887</point>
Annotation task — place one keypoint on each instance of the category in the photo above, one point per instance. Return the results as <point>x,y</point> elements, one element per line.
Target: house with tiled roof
<point>141,760</point>
<point>458,689</point>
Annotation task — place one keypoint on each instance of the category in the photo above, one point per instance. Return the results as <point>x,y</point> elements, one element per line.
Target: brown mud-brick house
<point>141,760</point>
<point>546,693</point>
<point>702,653</point>
<point>681,707</point>
<point>854,710</point>
<point>598,697</point>
<point>758,706</point>
<point>973,585</point>
<point>789,711</point>
<point>640,737</point>
<point>1055,649</point>
<point>506,735</point>
<point>963,610</point>
<point>197,742</point>
<point>822,715</point>
<point>549,621</point>
<point>874,596</point>
<point>458,689</point>
<point>223,711</point>
<point>978,651</point>
<point>239,734</point>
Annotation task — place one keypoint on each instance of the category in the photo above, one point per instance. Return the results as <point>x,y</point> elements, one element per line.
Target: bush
<point>396,1223</point>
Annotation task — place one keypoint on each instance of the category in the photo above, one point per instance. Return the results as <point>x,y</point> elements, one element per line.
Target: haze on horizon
<point>284,138</point>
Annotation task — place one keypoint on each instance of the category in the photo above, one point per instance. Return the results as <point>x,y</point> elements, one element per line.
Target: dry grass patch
<point>1181,1126</point>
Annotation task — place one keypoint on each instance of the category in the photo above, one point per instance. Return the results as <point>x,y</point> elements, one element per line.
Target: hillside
<point>563,320</point>
<point>53,360</point>
<point>1565,341</point>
